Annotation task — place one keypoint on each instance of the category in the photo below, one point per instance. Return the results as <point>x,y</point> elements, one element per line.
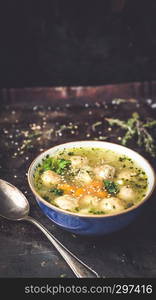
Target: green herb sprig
<point>136,128</point>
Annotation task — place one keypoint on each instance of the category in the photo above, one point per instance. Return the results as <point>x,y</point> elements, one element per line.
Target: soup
<point>90,181</point>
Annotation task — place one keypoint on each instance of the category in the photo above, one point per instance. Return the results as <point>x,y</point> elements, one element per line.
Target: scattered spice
<point>63,275</point>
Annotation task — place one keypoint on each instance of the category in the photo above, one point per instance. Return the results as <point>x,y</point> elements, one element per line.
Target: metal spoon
<point>14,206</point>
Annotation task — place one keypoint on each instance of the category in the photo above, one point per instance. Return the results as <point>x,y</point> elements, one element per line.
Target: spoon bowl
<point>13,203</point>
<point>14,206</point>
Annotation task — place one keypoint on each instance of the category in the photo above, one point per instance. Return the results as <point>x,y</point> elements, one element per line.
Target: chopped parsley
<point>57,192</point>
<point>111,187</point>
<point>70,153</point>
<point>96,212</point>
<point>46,198</point>
<point>122,158</point>
<point>58,165</point>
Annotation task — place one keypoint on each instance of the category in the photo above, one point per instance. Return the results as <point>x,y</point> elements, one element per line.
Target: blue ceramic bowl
<point>94,224</point>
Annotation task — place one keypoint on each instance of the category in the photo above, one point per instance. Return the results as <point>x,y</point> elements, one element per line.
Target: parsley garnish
<point>111,187</point>
<point>96,212</point>
<point>57,192</point>
<point>58,165</point>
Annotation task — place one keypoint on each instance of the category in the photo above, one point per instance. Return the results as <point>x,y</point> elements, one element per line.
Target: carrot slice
<point>97,184</point>
<point>101,194</point>
<point>94,189</point>
<point>68,189</point>
<point>80,192</point>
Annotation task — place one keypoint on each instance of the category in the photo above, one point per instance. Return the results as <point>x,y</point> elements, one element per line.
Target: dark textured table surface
<point>34,119</point>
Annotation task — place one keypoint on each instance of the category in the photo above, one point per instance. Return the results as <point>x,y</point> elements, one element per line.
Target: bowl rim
<point>76,214</point>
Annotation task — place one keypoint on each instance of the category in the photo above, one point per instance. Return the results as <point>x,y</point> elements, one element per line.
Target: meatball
<point>67,202</point>
<point>127,193</point>
<point>78,161</point>
<point>88,200</point>
<point>49,177</point>
<point>83,176</point>
<point>111,204</point>
<point>104,172</point>
<point>126,174</point>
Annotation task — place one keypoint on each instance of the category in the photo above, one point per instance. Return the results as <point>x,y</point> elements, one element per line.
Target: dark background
<point>48,43</point>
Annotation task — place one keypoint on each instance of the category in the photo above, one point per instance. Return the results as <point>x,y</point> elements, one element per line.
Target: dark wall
<point>77,42</point>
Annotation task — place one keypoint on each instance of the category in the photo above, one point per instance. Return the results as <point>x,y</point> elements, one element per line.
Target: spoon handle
<point>80,269</point>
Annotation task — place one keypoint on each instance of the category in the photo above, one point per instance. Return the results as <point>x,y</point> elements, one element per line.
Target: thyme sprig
<point>136,128</point>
